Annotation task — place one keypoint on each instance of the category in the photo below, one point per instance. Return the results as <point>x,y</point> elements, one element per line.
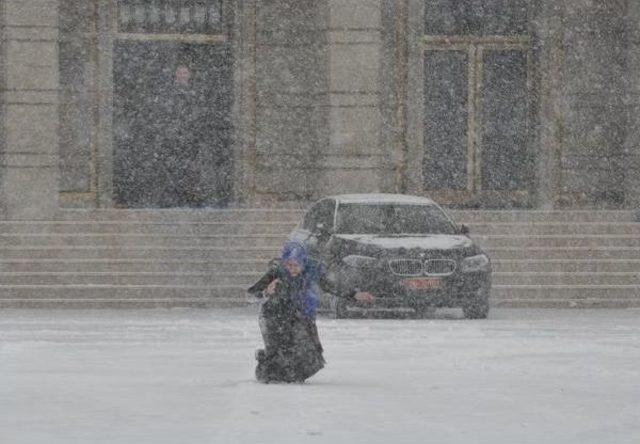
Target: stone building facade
<point>210,103</point>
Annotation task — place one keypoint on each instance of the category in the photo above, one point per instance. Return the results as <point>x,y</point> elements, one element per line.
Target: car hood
<point>407,242</point>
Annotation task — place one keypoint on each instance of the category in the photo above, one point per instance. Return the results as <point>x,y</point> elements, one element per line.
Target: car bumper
<point>455,291</point>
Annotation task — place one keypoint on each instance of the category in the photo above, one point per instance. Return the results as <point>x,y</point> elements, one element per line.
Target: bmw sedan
<point>405,250</point>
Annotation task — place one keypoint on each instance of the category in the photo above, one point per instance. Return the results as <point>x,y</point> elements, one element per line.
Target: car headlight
<point>357,261</point>
<point>475,263</point>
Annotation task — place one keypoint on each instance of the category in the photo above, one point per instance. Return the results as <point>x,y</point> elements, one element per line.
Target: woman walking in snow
<point>292,351</point>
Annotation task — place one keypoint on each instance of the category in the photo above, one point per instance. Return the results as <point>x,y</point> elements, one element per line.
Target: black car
<point>405,250</point>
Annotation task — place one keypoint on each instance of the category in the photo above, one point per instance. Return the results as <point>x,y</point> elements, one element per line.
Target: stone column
<point>353,160</point>
<point>594,121</point>
<point>548,31</point>
<point>290,99</point>
<point>29,134</point>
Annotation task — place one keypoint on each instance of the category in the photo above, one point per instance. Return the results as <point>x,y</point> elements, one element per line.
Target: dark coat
<point>293,351</point>
<point>276,271</point>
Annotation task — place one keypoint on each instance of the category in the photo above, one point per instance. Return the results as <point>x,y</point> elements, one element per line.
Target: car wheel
<point>477,309</point>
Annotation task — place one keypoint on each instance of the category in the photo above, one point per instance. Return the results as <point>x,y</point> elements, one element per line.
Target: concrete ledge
<point>132,304</point>
<point>568,303</point>
<point>120,304</point>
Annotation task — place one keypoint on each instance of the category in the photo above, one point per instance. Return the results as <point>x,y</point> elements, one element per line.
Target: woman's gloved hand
<point>364,297</point>
<point>271,288</point>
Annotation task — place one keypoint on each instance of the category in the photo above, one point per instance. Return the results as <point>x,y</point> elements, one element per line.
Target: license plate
<point>422,284</point>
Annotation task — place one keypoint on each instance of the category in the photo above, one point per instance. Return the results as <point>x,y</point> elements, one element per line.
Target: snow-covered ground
<point>186,376</point>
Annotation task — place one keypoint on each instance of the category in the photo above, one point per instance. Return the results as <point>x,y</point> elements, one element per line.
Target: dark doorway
<point>476,107</point>
<point>172,124</point>
<point>506,162</point>
<point>477,89</point>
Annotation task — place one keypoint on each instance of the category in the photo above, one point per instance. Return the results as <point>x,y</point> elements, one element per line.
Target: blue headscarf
<point>295,251</point>
<point>307,297</point>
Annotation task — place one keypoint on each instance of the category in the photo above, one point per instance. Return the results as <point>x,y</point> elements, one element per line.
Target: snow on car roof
<point>383,198</point>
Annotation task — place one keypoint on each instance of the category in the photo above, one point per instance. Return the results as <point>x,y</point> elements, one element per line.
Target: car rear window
<point>392,219</point>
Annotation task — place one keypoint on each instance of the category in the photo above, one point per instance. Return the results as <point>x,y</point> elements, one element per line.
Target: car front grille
<point>439,267</point>
<point>414,267</point>
<point>406,267</point>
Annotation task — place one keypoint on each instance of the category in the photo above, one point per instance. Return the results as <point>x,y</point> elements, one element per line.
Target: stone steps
<point>571,279</point>
<point>57,265</point>
<point>122,296</point>
<point>185,279</point>
<point>491,242</point>
<point>294,215</point>
<point>555,228</point>
<point>569,253</point>
<point>566,295</point>
<point>258,265</point>
<point>536,216</point>
<point>176,296</point>
<point>558,241</point>
<point>566,265</point>
<point>185,228</point>
<point>139,252</point>
<point>89,240</point>
<point>158,216</point>
<point>245,278</point>
<point>283,227</point>
<point>148,258</point>
<point>270,251</point>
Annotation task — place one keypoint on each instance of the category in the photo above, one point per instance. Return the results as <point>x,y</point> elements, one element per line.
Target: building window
<point>476,17</point>
<point>476,86</point>
<point>170,16</point>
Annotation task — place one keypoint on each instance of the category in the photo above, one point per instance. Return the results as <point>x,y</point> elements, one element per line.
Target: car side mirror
<point>321,231</point>
<point>464,229</point>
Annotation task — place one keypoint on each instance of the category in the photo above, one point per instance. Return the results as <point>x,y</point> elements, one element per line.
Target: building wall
<point>291,98</point>
<point>78,94</point>
<point>325,102</point>
<point>593,159</point>
<point>317,98</point>
<point>354,157</point>
<point>29,108</point>
<point>632,102</point>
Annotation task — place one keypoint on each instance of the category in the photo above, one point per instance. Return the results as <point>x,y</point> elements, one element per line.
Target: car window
<point>310,218</point>
<point>322,212</point>
<point>326,212</point>
<point>393,219</point>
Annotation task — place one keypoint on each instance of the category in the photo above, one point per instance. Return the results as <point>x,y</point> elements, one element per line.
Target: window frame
<point>318,208</point>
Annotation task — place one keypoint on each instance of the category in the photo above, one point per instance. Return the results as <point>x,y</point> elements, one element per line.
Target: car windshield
<point>392,219</point>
